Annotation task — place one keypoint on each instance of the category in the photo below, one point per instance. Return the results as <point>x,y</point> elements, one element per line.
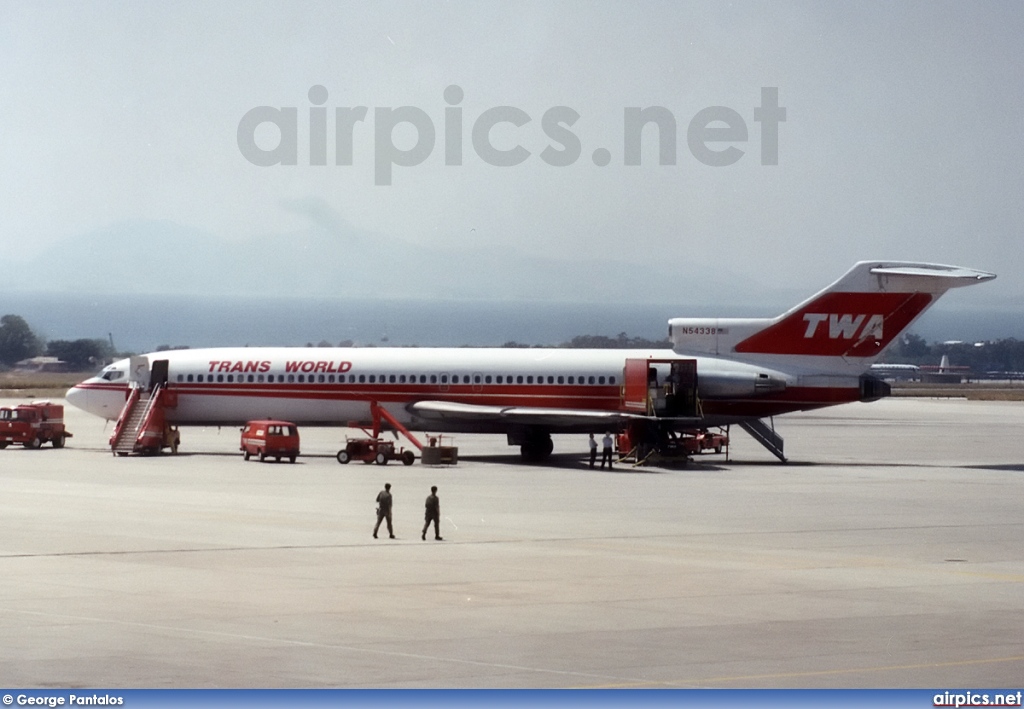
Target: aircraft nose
<point>78,397</point>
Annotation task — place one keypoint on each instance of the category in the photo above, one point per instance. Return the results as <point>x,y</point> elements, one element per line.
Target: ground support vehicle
<point>642,443</point>
<point>696,442</point>
<point>374,450</point>
<point>270,438</point>
<point>142,426</point>
<point>33,424</point>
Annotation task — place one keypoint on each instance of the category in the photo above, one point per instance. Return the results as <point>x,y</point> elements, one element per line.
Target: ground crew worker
<point>593,450</point>
<point>606,452</point>
<point>432,514</point>
<point>384,510</point>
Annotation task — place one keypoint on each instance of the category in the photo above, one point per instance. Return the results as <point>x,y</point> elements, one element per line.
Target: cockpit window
<point>112,375</point>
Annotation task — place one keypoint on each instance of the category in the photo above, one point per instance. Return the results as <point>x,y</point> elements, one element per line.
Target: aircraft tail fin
<point>862,312</point>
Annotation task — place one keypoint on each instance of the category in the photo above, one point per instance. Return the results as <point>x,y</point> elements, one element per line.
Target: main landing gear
<point>535,445</point>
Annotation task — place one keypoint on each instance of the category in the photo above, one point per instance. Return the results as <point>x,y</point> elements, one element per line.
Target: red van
<point>270,439</point>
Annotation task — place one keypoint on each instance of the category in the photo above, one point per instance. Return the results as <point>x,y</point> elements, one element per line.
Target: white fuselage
<point>334,386</point>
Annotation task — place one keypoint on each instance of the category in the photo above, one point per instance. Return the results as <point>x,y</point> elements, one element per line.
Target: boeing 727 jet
<point>718,372</point>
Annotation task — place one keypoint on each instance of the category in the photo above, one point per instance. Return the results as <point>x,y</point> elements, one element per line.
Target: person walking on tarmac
<point>432,514</point>
<point>384,510</point>
<point>593,450</point>
<point>606,452</point>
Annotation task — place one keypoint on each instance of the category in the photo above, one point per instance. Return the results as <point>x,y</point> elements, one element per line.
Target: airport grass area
<point>39,385</point>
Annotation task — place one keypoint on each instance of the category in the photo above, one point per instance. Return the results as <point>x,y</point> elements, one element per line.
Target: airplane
<point>719,372</point>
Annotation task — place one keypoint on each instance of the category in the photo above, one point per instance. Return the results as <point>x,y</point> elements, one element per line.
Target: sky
<point>127,164</point>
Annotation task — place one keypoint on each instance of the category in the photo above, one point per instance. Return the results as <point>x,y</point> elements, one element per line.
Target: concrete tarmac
<point>888,553</point>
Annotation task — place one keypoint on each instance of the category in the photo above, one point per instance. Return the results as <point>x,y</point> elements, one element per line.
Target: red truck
<point>33,424</point>
<point>699,441</point>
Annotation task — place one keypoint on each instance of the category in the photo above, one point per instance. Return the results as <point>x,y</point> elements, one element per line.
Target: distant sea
<point>141,323</point>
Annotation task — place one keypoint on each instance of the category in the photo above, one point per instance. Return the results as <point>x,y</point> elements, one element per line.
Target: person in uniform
<point>606,452</point>
<point>432,514</point>
<point>593,450</point>
<point>384,510</point>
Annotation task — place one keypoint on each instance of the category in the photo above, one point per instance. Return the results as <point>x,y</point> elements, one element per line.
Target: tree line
<point>18,342</point>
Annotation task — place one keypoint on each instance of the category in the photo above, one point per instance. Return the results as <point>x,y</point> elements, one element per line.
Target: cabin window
<point>189,378</point>
<point>291,378</point>
<point>330,379</point>
<point>444,378</point>
<point>259,378</point>
<point>529,379</point>
<point>561,379</point>
<point>220,377</point>
<point>600,380</point>
<point>231,377</point>
<point>551,379</point>
<point>487,379</point>
<point>391,379</point>
<point>302,378</point>
<point>455,379</point>
<point>362,378</point>
<point>433,379</point>
<point>611,380</point>
<point>590,379</point>
<point>373,378</point>
<point>401,379</point>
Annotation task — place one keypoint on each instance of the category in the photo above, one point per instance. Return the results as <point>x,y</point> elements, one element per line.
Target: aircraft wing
<point>528,415</point>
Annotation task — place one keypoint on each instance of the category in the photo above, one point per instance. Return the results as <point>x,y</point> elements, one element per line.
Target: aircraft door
<point>158,373</point>
<point>138,372</point>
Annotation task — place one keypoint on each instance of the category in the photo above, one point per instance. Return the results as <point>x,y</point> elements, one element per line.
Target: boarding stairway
<point>140,426</point>
<point>766,436</point>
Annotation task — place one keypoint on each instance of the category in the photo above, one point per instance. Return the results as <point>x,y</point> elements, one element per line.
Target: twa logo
<point>844,326</point>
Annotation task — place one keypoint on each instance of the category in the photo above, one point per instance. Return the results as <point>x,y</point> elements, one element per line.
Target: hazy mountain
<point>333,260</point>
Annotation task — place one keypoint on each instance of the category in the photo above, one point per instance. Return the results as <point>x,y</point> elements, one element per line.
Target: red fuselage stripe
<point>592,398</point>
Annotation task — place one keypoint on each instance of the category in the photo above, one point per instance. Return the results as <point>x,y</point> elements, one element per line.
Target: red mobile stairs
<point>142,426</point>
